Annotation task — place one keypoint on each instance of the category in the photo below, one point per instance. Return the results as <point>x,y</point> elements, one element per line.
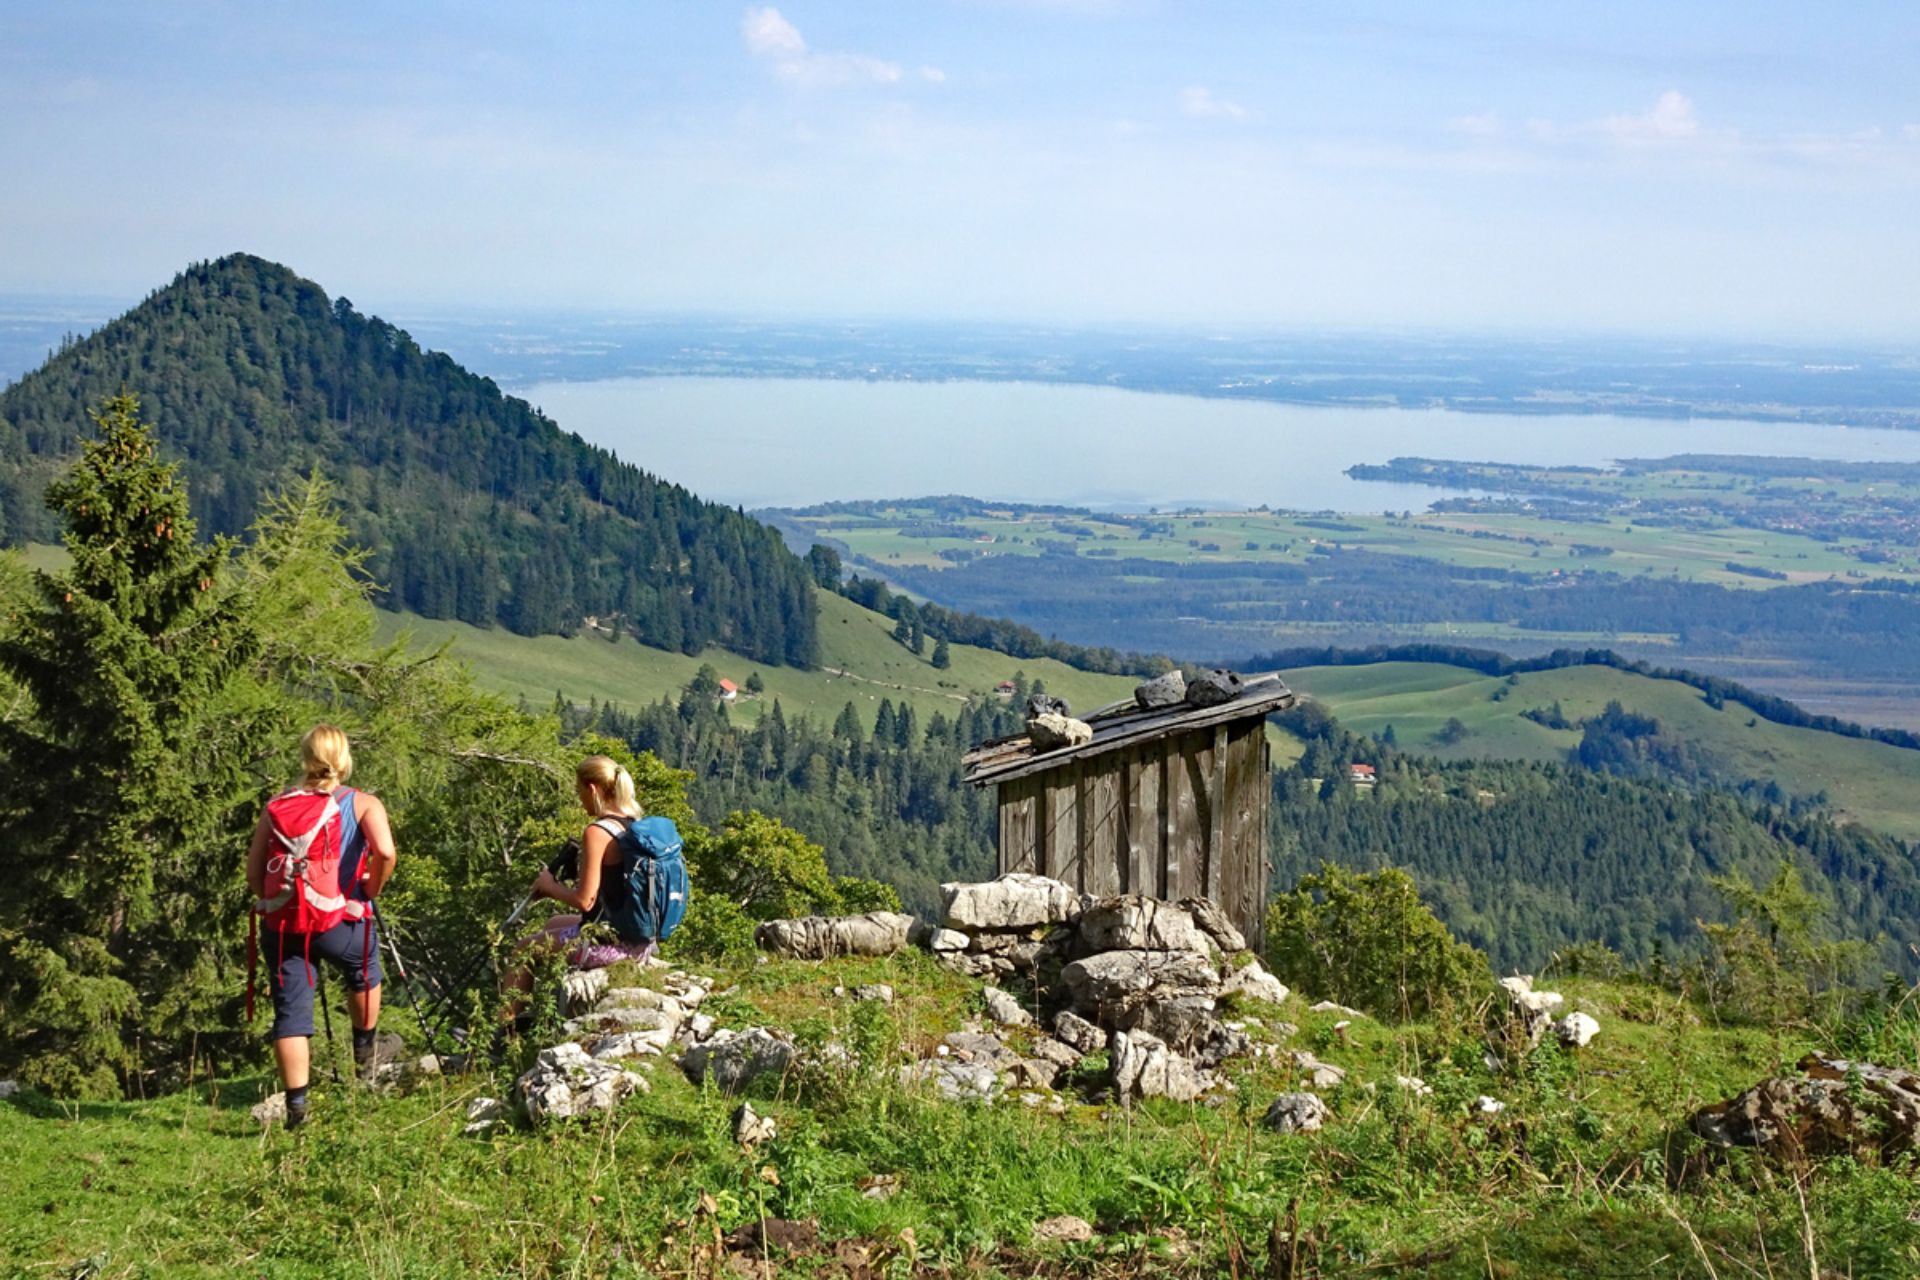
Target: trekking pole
<point>457,979</point>
<point>400,967</point>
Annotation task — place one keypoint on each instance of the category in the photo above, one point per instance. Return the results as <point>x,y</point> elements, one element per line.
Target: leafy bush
<point>1366,939</point>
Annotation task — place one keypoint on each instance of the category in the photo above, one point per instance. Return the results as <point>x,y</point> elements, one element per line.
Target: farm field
<point>1526,543</point>
<point>1868,782</point>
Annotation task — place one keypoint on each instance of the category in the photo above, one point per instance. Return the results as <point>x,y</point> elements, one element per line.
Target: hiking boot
<point>386,1047</point>
<point>296,1113</point>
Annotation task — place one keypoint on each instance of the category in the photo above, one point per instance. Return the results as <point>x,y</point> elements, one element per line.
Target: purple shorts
<point>598,955</point>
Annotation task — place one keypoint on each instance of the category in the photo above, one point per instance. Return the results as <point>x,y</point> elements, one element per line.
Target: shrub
<point>1366,939</point>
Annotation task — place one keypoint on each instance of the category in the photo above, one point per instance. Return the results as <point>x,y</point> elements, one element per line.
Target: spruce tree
<point>112,803</point>
<point>942,657</point>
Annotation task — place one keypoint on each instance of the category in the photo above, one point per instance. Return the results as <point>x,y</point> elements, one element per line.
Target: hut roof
<point>1121,725</point>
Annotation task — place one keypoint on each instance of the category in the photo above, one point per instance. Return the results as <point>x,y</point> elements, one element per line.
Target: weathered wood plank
<point>1264,861</point>
<point>1143,822</point>
<point>1100,821</point>
<point>1019,829</point>
<point>1189,769</point>
<point>1241,874</point>
<point>1221,804</point>
<point>1063,824</point>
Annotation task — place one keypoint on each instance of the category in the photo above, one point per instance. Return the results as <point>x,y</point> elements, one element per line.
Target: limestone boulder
<point>1135,922</point>
<point>566,1083</point>
<point>954,1080</point>
<point>1017,900</point>
<point>1107,988</point>
<point>1051,732</point>
<point>1213,920</point>
<point>1005,1010</point>
<point>1252,982</point>
<point>1840,1107</point>
<point>1077,1033</point>
<point>1144,1067</point>
<point>1296,1113</point>
<point>1058,1052</point>
<point>1576,1030</point>
<point>735,1059</point>
<point>877,933</point>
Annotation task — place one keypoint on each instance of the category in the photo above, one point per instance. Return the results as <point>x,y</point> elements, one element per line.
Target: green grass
<point>1868,782</point>
<point>861,663</point>
<point>1569,1180</point>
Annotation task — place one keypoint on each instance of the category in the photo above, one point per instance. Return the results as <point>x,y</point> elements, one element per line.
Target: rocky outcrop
<point>750,1128</point>
<point>877,933</point>
<point>1251,981</point>
<point>1005,1010</point>
<point>565,1083</point>
<point>1576,1030</point>
<point>1207,914</point>
<point>1077,1033</point>
<point>1016,900</point>
<point>1296,1113</point>
<point>1135,922</point>
<point>1839,1107</point>
<point>733,1060</point>
<point>1145,1067</point>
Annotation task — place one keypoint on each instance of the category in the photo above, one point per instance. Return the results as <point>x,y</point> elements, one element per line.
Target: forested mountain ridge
<point>475,505</point>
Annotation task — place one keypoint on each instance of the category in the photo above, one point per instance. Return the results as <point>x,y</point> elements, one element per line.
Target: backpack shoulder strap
<point>615,827</point>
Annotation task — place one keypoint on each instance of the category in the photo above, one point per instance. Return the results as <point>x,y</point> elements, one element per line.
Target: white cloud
<point>778,43</point>
<point>1672,119</point>
<point>1198,101</point>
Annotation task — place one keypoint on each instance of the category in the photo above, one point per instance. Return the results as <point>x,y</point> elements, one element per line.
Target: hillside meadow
<point>1580,1174</point>
<point>1867,782</point>
<point>860,663</point>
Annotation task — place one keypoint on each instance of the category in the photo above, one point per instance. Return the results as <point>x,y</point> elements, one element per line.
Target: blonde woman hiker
<point>320,855</point>
<point>632,878</point>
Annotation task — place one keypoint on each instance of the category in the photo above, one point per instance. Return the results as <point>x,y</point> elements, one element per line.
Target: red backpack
<point>303,867</point>
<point>302,891</point>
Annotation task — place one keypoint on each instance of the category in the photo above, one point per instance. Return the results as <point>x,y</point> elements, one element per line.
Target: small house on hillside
<point>729,691</point>
<point>1171,802</point>
<point>1363,775</point>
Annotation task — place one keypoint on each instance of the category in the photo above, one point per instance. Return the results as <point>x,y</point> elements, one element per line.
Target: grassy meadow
<point>1581,1174</point>
<point>1868,782</point>
<point>860,660</point>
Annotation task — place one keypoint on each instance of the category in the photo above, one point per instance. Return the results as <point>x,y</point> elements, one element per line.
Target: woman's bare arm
<point>381,856</point>
<point>593,853</point>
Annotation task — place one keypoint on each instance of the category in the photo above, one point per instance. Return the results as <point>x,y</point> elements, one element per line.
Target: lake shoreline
<point>780,441</point>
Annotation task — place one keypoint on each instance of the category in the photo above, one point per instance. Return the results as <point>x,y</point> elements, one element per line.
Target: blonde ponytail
<point>613,783</point>
<point>326,759</point>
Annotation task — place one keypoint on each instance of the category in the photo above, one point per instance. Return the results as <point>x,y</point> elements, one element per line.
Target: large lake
<point>790,442</point>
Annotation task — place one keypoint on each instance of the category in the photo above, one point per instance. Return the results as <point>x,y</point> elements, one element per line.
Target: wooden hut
<point>1170,802</point>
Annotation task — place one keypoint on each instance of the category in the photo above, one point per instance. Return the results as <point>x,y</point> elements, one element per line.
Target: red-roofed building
<point>1363,775</point>
<point>729,691</point>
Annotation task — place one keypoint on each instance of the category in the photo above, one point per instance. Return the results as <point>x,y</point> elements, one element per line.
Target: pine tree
<point>942,657</point>
<point>114,810</point>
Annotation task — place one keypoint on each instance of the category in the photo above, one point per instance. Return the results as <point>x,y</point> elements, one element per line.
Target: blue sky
<point>1703,168</point>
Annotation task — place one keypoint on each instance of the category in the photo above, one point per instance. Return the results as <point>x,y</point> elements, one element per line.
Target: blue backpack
<point>655,876</point>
